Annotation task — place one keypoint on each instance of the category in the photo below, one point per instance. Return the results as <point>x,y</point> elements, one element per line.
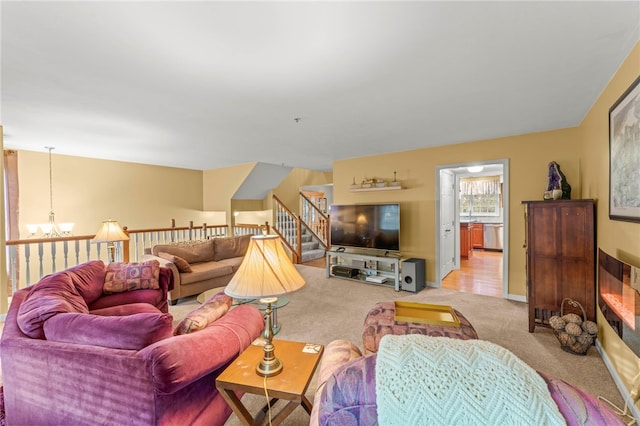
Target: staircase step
<point>312,254</point>
<point>305,238</point>
<point>311,245</point>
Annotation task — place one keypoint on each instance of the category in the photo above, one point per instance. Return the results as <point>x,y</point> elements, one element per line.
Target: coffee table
<point>290,385</point>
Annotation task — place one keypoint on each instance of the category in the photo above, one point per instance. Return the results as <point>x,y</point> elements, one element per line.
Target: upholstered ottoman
<point>381,321</point>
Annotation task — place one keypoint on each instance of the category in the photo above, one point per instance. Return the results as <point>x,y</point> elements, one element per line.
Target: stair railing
<point>288,226</point>
<point>315,220</point>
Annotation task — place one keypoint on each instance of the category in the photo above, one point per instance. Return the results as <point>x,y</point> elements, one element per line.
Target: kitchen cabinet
<point>466,243</point>
<point>560,253</point>
<point>478,236</point>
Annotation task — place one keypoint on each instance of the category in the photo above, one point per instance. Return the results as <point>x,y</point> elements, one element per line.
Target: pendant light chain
<point>50,148</point>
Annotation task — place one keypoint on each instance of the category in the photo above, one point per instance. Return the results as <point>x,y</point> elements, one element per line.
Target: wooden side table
<point>291,384</point>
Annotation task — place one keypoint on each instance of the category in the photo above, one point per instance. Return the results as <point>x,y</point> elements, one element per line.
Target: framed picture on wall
<point>624,156</point>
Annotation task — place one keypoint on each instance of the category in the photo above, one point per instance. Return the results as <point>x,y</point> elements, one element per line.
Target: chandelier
<point>50,229</point>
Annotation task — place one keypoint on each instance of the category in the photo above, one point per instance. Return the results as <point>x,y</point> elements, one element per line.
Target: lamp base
<point>269,368</point>
<point>269,365</point>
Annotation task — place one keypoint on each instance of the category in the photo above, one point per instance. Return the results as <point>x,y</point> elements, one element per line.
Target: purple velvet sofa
<point>72,355</point>
<point>346,392</point>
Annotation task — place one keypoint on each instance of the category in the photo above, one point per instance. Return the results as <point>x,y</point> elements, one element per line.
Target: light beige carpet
<point>329,309</point>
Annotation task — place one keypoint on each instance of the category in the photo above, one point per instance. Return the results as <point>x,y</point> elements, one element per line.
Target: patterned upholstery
<point>348,398</point>
<point>336,354</point>
<point>381,321</point>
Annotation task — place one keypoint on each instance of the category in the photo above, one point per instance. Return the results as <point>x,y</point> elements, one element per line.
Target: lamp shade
<point>110,231</point>
<point>266,271</point>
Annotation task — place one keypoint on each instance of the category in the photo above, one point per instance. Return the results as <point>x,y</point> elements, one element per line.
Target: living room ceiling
<point>203,85</point>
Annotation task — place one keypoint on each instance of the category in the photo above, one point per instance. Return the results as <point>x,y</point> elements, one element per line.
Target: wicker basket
<point>577,345</point>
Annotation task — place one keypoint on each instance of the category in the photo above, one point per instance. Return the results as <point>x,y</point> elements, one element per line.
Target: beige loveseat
<point>200,266</point>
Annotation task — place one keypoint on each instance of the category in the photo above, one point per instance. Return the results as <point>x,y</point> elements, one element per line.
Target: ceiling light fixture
<point>50,229</point>
<point>475,169</point>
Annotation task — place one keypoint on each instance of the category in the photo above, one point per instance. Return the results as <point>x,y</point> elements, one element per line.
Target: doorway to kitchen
<point>472,211</point>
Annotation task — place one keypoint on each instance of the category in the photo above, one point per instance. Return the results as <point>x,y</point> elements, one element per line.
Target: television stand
<point>367,268</point>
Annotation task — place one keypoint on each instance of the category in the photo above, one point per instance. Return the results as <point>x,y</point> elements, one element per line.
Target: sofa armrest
<point>336,354</point>
<point>167,264</point>
<point>180,360</point>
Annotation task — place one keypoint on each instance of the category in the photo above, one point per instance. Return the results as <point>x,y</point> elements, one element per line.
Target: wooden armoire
<point>560,250</point>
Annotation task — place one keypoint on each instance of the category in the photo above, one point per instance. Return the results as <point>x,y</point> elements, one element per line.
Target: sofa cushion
<point>212,309</point>
<point>131,276</point>
<point>192,252</point>
<point>181,264</point>
<point>132,332</point>
<point>52,295</point>
<point>205,271</point>
<point>234,262</point>
<point>88,278</point>
<point>128,309</point>
<point>225,248</point>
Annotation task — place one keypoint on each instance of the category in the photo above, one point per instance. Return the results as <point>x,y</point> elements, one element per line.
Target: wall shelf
<point>384,188</point>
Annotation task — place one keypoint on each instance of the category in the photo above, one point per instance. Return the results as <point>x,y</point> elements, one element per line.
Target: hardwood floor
<point>482,274</point>
<point>318,263</point>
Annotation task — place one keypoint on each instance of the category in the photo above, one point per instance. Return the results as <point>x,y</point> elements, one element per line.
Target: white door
<point>447,223</point>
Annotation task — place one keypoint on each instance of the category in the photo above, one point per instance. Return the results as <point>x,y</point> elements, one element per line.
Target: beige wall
<point>289,188</point>
<point>619,239</point>
<point>528,157</point>
<point>220,185</point>
<point>87,191</point>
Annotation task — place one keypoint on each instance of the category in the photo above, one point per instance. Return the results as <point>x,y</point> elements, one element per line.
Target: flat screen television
<point>371,226</point>
<point>619,298</point>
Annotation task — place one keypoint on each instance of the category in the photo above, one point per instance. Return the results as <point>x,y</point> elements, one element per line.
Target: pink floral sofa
<point>74,355</point>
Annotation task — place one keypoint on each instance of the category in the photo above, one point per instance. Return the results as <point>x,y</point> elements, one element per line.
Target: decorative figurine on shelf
<point>557,187</point>
<point>394,182</point>
<point>354,185</point>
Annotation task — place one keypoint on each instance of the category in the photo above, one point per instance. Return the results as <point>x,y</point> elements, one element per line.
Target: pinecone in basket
<point>590,327</point>
<point>573,318</point>
<point>573,329</point>
<point>557,323</point>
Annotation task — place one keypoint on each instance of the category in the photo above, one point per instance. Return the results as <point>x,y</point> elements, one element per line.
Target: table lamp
<point>110,232</point>
<point>265,272</point>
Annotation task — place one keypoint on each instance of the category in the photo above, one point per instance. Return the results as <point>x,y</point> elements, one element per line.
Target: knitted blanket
<point>424,380</point>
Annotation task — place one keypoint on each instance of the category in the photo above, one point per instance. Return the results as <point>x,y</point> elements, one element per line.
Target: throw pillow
<point>181,264</point>
<point>52,295</point>
<point>132,332</point>
<point>191,252</point>
<point>198,319</point>
<point>131,276</point>
<point>226,248</point>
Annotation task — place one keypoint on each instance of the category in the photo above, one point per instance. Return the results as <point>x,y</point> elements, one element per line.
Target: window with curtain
<point>480,196</point>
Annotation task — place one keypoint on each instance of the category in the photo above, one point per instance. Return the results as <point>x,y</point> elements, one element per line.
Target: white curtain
<point>481,186</point>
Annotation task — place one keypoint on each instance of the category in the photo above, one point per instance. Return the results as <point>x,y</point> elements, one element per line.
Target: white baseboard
<point>517,298</point>
<point>632,408</point>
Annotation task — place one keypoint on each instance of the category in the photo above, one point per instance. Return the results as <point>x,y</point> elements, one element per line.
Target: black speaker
<point>412,274</point>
